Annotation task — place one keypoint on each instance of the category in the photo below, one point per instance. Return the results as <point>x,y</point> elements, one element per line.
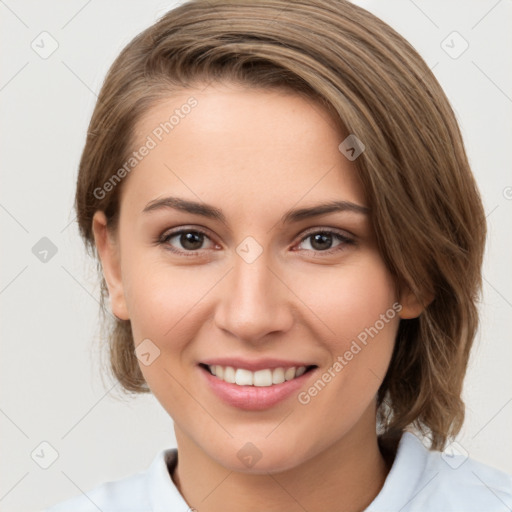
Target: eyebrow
<point>290,216</point>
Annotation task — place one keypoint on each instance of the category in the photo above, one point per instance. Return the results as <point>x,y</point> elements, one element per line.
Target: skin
<point>256,154</point>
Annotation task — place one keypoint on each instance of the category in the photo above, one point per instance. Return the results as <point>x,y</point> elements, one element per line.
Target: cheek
<point>164,304</point>
<point>343,300</point>
<point>350,298</point>
<point>359,316</point>
<point>362,310</point>
<point>168,305</point>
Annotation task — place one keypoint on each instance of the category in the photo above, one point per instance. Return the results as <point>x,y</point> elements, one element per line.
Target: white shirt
<point>420,480</point>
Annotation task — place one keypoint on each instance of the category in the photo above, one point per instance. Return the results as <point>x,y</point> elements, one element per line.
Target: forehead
<point>248,146</point>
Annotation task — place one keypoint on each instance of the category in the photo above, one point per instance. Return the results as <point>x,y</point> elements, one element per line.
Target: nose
<point>254,301</point>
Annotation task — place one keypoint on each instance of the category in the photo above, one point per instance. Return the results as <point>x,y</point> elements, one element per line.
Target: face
<point>236,277</point>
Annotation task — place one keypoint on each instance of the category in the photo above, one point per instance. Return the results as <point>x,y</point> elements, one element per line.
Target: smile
<point>255,385</point>
<point>261,378</point>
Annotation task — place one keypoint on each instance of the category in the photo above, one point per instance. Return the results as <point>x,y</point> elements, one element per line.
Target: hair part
<point>425,206</point>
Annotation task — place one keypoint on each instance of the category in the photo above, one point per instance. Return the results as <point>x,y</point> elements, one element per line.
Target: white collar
<point>419,480</point>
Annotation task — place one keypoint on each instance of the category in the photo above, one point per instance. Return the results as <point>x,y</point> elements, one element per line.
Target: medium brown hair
<point>425,206</point>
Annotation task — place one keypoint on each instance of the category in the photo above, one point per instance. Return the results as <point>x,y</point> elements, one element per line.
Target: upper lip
<point>255,364</point>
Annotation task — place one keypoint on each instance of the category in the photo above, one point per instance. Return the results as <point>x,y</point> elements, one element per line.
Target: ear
<point>108,251</point>
<point>412,307</point>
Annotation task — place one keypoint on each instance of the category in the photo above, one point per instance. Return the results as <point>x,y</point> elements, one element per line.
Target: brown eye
<point>191,240</point>
<point>322,241</point>
<point>185,241</point>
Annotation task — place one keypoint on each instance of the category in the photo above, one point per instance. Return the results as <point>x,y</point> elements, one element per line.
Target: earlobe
<point>412,307</point>
<point>108,252</point>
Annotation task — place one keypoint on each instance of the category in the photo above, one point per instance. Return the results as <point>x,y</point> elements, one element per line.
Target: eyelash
<point>164,239</point>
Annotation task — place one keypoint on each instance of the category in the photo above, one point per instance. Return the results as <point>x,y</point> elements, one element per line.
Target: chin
<point>252,459</point>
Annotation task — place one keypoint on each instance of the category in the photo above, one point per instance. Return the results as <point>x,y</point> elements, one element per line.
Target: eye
<point>189,241</point>
<point>322,241</point>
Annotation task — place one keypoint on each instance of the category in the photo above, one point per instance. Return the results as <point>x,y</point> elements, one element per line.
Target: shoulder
<point>422,480</point>
<point>458,482</point>
<point>135,493</point>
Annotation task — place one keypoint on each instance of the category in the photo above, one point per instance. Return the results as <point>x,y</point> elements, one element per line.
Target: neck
<point>346,476</point>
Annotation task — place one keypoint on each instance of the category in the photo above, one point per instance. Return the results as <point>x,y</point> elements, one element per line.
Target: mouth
<point>265,377</point>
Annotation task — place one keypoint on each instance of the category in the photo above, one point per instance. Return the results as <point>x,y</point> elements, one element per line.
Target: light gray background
<point>51,389</point>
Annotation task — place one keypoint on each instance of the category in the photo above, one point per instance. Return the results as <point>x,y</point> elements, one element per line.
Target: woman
<point>291,240</point>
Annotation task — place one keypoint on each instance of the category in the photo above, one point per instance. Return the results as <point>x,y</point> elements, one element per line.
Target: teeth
<point>243,377</point>
<point>229,374</point>
<point>260,378</point>
<point>278,376</point>
<point>289,374</point>
<point>300,371</point>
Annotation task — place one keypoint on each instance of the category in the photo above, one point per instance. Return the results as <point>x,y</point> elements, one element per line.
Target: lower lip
<point>253,398</point>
